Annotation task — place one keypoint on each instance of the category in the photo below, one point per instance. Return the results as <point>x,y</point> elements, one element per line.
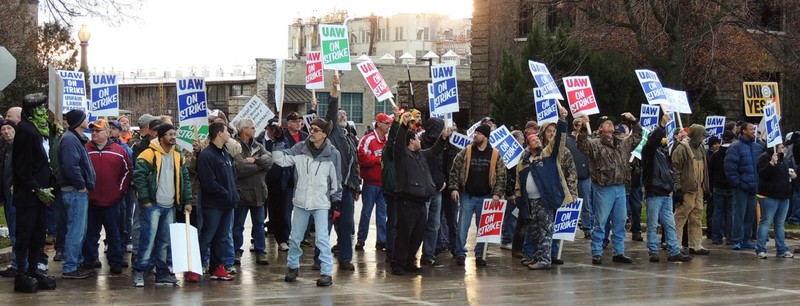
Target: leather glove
<point>677,197</point>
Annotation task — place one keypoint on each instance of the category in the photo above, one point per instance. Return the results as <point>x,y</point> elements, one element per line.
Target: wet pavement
<point>724,277</point>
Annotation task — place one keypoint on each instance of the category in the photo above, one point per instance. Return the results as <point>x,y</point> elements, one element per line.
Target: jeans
<point>107,218</point>
<point>794,209</point>
<point>345,226</point>
<point>432,227</point>
<point>470,205</point>
<point>61,219</point>
<point>136,226</point>
<point>587,211</point>
<point>126,215</point>
<point>635,209</point>
<point>744,214</point>
<point>299,225</point>
<point>449,222</point>
<point>659,210</point>
<point>257,218</point>
<point>721,219</point>
<point>154,238</point>
<point>609,205</point>
<point>372,196</point>
<point>773,210</point>
<point>217,223</point>
<point>76,204</point>
<point>509,223</point>
<point>11,220</point>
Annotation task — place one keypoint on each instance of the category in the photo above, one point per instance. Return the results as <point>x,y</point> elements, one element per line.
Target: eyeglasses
<point>384,122</point>
<point>315,130</point>
<point>97,131</point>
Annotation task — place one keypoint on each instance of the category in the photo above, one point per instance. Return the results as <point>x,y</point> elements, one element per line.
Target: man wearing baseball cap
<point>609,156</point>
<point>370,150</point>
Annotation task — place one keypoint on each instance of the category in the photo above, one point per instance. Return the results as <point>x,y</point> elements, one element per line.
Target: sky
<point>185,33</point>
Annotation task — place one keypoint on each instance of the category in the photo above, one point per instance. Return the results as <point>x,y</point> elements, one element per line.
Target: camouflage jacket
<point>609,155</point>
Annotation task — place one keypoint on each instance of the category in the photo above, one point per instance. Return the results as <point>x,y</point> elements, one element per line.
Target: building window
<point>398,33</point>
<point>240,90</point>
<point>419,35</point>
<point>767,15</point>
<point>427,34</point>
<point>381,107</point>
<point>216,93</point>
<point>420,54</point>
<point>525,22</point>
<point>322,103</point>
<point>397,55</point>
<point>351,103</point>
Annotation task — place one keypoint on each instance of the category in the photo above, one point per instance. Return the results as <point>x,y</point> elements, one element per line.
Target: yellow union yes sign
<point>757,95</point>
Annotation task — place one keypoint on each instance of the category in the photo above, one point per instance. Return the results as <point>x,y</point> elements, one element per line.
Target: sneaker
<point>749,246</point>
<point>115,270</point>
<point>77,274</point>
<point>637,237</point>
<point>324,281</point>
<point>231,270</point>
<point>679,257</point>
<point>433,263</point>
<point>360,245</point>
<point>59,256</point>
<point>557,261</point>
<point>621,258</point>
<point>261,259</point>
<point>237,259</point>
<point>597,260</point>
<point>291,276</point>
<point>166,280</point>
<point>138,279</point>
<point>460,260</point>
<point>315,266</point>
<point>654,257</point>
<point>700,251</point>
<point>527,260</point>
<point>9,272</point>
<point>505,246</point>
<point>220,274</point>
<point>538,266</point>
<point>786,254</point>
<point>283,247</point>
<point>761,255</point>
<point>346,266</point>
<point>736,247</point>
<point>92,265</point>
<point>192,277</point>
<point>480,262</point>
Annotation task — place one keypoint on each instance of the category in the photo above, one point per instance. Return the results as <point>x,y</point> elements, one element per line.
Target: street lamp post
<point>428,57</point>
<point>408,58</point>
<point>83,36</point>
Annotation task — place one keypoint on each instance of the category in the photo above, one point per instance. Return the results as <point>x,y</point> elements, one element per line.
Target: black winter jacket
<point>217,176</point>
<point>414,181</point>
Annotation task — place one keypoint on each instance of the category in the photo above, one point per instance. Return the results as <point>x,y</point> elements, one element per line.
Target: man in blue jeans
<point>370,150</point>
<point>659,185</point>
<point>162,183</point>
<point>433,128</point>
<point>478,173</point>
<point>740,168</point>
<point>609,157</point>
<point>77,179</point>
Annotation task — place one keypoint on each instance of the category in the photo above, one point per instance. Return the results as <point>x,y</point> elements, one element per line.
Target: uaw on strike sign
<point>375,80</point>
<point>491,222</point>
<point>335,47</point>
<point>315,79</point>
<point>192,104</point>
<point>580,96</point>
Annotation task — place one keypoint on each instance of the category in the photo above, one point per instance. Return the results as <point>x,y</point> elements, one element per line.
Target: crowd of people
<point>60,185</point>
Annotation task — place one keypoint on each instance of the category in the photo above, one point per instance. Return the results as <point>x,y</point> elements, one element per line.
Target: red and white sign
<point>314,76</point>
<point>375,80</point>
<point>491,222</point>
<point>580,96</point>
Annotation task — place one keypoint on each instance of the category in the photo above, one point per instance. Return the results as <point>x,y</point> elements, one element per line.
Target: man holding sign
<point>478,172</point>
<point>537,173</point>
<point>609,157</point>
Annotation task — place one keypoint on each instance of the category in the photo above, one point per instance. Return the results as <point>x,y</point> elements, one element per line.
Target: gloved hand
<point>335,210</point>
<point>45,195</point>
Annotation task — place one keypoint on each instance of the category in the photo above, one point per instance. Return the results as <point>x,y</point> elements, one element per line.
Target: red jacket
<point>369,158</point>
<point>114,172</point>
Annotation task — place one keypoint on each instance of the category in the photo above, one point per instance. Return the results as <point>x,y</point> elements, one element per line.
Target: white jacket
<point>316,179</point>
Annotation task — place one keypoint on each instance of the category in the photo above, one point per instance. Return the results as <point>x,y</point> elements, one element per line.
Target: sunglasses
<point>315,130</point>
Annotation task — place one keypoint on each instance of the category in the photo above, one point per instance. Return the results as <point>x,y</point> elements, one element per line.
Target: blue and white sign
<point>105,95</point>
<point>546,109</point>
<point>445,89</point>
<point>545,81</point>
<point>671,126</point>
<point>192,103</point>
<point>74,90</point>
<point>510,148</point>
<point>715,125</point>
<point>566,221</point>
<point>652,88</point>
<point>649,116</point>
<point>774,137</point>
<point>459,140</point>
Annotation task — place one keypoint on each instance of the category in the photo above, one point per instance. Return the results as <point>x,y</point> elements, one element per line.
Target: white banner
<point>258,111</point>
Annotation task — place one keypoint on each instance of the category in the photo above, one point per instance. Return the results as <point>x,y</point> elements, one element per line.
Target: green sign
<point>186,135</point>
<point>335,47</point>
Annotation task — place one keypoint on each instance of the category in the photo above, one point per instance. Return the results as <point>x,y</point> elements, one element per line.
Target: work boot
<point>46,282</point>
<point>25,284</point>
<point>360,245</point>
<point>324,281</point>
<point>637,237</point>
<point>291,276</point>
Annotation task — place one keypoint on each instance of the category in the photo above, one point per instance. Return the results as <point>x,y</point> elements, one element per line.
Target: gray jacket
<point>316,179</point>
<point>252,186</point>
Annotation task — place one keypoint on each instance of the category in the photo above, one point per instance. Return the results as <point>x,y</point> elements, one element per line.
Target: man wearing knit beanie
<point>77,179</point>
